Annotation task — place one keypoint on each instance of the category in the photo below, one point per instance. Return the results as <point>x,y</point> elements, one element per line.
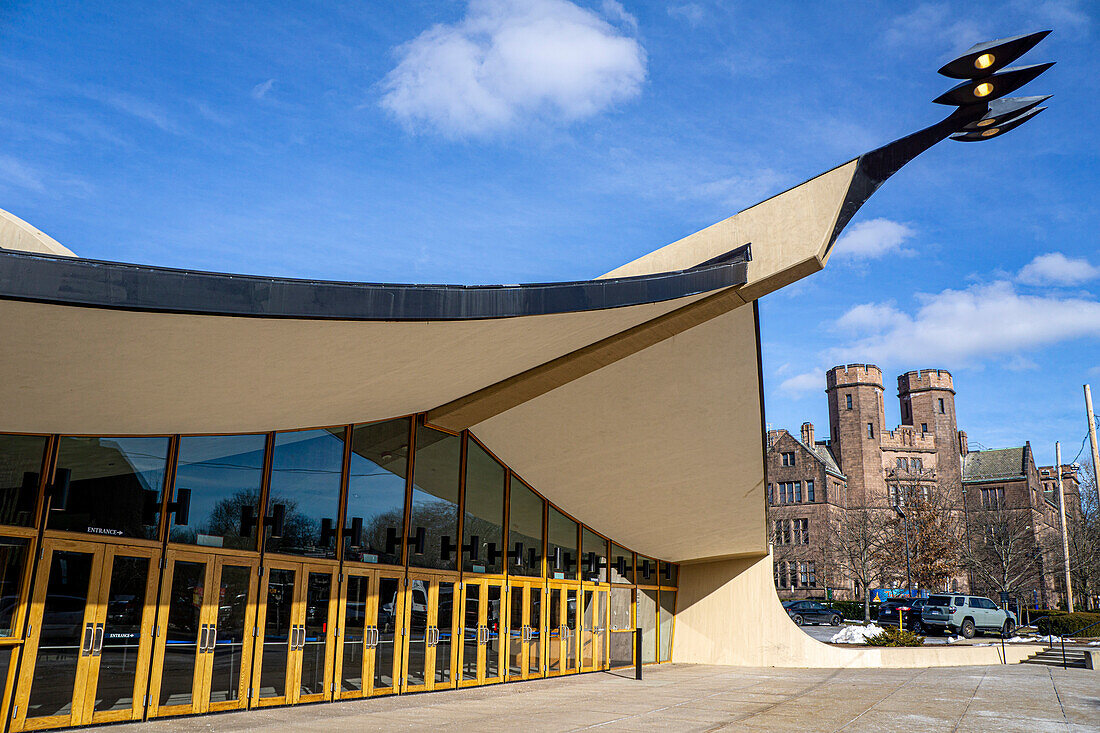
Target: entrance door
<point>482,648</point>
<point>525,629</point>
<point>561,629</point>
<point>296,619</point>
<point>594,629</point>
<point>430,624</point>
<point>89,637</point>
<point>204,634</point>
<point>370,603</point>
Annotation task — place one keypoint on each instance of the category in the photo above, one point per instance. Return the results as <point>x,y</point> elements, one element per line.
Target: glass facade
<point>154,565</point>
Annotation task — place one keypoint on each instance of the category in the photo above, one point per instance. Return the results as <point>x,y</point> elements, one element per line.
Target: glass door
<point>481,650</point>
<point>204,634</point>
<point>365,633</point>
<point>525,629</point>
<point>296,616</point>
<point>89,636</point>
<point>561,629</point>
<point>594,631</point>
<point>431,655</point>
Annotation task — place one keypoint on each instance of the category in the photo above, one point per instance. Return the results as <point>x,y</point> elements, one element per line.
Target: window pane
<point>223,474</point>
<point>670,572</point>
<point>524,528</point>
<point>647,571</point>
<point>20,467</point>
<point>305,481</point>
<point>621,559</point>
<point>668,608</point>
<point>13,559</point>
<point>593,556</point>
<point>435,498</point>
<point>114,486</point>
<point>484,518</point>
<point>561,546</point>
<point>376,491</point>
<point>647,622</point>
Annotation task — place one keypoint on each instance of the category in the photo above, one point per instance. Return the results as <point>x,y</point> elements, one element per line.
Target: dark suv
<point>909,608</point>
<point>811,612</point>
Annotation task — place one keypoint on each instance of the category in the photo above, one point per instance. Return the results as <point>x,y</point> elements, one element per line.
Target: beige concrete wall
<point>19,235</point>
<point>728,613</point>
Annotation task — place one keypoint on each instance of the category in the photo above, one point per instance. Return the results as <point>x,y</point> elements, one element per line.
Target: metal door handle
<point>86,647</point>
<point>202,638</point>
<point>372,634</point>
<point>301,637</point>
<point>431,636</point>
<point>97,647</point>
<point>293,637</point>
<point>212,639</point>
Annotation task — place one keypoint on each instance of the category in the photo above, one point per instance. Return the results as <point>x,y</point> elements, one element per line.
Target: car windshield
<point>939,600</point>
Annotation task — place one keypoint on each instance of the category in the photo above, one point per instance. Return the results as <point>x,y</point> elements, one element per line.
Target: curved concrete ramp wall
<point>727,612</point>
<point>19,235</point>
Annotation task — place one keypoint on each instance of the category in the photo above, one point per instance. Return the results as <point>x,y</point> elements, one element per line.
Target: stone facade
<point>862,465</point>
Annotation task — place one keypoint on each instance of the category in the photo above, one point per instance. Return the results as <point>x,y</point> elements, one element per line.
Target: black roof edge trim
<point>35,277</point>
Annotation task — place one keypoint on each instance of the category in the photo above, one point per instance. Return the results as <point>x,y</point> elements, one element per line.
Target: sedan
<point>811,612</point>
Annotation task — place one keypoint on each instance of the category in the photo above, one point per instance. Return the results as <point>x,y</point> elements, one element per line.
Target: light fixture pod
<point>987,58</point>
<point>995,86</point>
<point>1001,110</point>
<point>988,133</point>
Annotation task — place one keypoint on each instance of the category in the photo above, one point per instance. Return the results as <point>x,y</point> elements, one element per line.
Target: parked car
<point>909,608</point>
<point>811,612</point>
<point>966,615</point>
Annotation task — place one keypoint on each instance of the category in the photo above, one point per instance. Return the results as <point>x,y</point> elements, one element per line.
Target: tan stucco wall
<point>727,612</point>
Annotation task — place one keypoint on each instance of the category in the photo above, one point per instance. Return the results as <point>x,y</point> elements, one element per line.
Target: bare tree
<point>1003,555</point>
<point>855,541</point>
<point>1084,543</point>
<point>934,533</point>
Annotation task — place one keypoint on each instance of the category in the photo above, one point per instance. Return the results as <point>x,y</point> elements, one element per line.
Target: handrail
<point>1062,637</point>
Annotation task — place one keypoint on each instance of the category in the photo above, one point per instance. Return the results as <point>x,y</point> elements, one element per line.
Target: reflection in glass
<point>484,517</point>
<point>318,593</point>
<point>444,625</point>
<point>20,470</point>
<point>622,560</point>
<point>589,619</point>
<point>182,633</point>
<point>571,628</point>
<point>593,556</point>
<point>471,626</point>
<point>534,622</point>
<point>668,610</point>
<point>622,628</point>
<point>13,559</point>
<point>276,646</point>
<point>554,632</point>
<point>114,486</point>
<point>515,631</point>
<point>417,613</point>
<point>355,626</point>
<point>388,608</point>
<point>435,498</point>
<point>62,630</point>
<point>118,661</point>
<point>233,588</point>
<point>305,481</point>
<point>492,622</point>
<point>561,550</point>
<point>646,571</point>
<point>647,621</point>
<point>668,573</point>
<point>223,474</point>
<point>376,491</point>
<point>525,509</point>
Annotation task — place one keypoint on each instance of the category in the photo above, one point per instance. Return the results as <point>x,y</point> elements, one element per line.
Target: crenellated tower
<point>856,419</point>
<point>927,398</point>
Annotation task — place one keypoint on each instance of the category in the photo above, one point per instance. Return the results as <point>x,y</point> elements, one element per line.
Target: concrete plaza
<point>707,698</point>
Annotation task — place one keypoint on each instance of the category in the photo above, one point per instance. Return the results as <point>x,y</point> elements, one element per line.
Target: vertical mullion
<point>342,509</point>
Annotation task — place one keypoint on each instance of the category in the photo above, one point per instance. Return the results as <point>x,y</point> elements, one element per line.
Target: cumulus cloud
<point>935,22</point>
<point>802,384</point>
<point>1054,268</point>
<point>962,327</point>
<point>872,239</point>
<point>508,61</point>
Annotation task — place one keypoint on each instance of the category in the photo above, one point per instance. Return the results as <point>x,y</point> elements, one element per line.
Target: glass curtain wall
<point>622,627</point>
<point>483,521</point>
<point>217,476</point>
<point>376,492</point>
<point>20,469</point>
<point>593,557</point>
<point>128,470</point>
<point>668,610</point>
<point>433,523</point>
<point>306,471</point>
<point>525,509</point>
<point>646,610</point>
<point>561,548</point>
<point>622,564</point>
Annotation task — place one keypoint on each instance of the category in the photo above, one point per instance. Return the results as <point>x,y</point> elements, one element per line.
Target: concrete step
<point>1052,657</point>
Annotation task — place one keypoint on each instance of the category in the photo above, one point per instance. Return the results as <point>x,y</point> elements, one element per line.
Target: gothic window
<point>801,531</point>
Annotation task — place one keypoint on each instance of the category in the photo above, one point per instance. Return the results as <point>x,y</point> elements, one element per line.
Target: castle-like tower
<point>927,399</point>
<point>856,420</point>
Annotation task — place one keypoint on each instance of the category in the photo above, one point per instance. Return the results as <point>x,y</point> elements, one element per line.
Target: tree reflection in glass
<point>376,491</point>
<point>436,468</point>
<point>483,524</point>
<point>305,480</point>
<point>223,474</point>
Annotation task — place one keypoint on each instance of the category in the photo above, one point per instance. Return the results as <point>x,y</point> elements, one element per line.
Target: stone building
<point>863,465</point>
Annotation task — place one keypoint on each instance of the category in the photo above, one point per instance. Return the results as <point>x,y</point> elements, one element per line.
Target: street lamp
<point>908,572</point>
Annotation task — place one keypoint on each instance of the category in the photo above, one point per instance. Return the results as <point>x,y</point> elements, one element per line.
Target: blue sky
<point>506,141</point>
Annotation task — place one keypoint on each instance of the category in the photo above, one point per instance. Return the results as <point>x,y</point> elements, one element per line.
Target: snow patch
<point>856,634</point>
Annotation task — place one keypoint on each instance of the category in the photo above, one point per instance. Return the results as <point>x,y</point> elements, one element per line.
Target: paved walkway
<point>701,698</point>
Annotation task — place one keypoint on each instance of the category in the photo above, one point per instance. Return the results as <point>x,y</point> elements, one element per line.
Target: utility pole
<point>1062,519</point>
<point>1092,439</point>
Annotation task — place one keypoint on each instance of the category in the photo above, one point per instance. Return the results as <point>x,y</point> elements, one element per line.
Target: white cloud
<point>802,384</point>
<point>137,107</point>
<point>872,239</point>
<point>508,61</point>
<point>965,326</point>
<point>18,173</point>
<point>260,90</point>
<point>616,13</point>
<point>691,12</point>
<point>1063,15</point>
<point>934,22</point>
<point>739,191</point>
<point>1054,268</point>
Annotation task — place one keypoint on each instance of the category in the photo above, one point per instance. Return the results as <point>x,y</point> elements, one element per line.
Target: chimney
<point>808,433</point>
<point>964,447</point>
<point>773,435</point>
